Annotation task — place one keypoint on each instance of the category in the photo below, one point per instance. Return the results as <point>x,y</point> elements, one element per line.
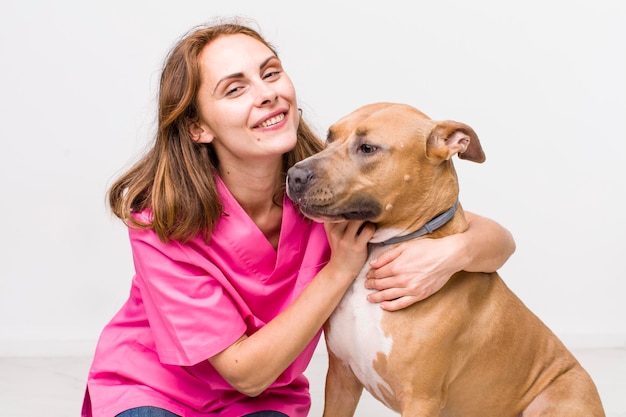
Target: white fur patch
<point>380,236</point>
<point>356,335</point>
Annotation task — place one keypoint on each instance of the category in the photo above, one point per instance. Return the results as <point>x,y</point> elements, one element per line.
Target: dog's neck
<point>431,226</point>
<point>445,223</point>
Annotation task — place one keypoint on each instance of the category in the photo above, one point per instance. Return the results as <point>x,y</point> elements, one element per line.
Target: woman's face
<point>246,102</point>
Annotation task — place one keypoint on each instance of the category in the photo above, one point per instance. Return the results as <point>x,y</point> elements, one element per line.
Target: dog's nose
<point>297,179</point>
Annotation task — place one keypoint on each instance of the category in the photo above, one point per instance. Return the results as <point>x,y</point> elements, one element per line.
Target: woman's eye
<point>271,75</point>
<point>233,90</point>
<point>366,148</point>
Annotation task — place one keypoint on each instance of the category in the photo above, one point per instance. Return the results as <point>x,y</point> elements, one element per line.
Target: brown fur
<point>473,349</point>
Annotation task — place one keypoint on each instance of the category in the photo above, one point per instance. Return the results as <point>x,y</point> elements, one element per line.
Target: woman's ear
<point>200,134</point>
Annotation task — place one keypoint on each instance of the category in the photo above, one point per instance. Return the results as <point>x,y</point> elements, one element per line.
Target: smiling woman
<point>228,273</point>
<point>248,114</point>
<point>214,236</point>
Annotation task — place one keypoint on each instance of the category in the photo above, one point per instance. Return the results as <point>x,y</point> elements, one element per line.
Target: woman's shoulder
<point>145,216</point>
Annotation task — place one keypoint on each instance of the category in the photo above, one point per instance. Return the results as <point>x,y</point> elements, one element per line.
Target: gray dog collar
<point>428,228</point>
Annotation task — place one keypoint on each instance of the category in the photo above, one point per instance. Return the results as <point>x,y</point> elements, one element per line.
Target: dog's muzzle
<point>319,201</point>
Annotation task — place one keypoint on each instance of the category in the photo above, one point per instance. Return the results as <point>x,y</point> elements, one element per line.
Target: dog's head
<point>385,162</point>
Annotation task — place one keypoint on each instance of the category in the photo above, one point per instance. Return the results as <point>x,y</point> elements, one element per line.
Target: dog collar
<point>428,228</point>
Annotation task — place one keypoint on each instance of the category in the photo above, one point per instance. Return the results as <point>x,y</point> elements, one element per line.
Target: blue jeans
<point>146,412</point>
<point>159,412</point>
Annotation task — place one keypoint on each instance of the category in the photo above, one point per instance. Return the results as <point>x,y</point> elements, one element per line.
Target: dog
<point>472,349</point>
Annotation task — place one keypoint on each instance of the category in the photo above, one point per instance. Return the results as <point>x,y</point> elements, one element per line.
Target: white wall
<point>542,82</point>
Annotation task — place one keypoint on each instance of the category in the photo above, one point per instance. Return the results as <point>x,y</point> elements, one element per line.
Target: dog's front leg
<point>343,389</point>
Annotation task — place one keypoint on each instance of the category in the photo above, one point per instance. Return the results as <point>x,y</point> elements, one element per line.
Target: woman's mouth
<point>273,120</point>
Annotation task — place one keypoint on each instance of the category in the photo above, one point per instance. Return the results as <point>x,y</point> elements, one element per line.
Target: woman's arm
<point>253,363</point>
<point>417,269</point>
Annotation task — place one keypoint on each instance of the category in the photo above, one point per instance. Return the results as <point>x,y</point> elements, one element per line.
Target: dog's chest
<point>355,335</point>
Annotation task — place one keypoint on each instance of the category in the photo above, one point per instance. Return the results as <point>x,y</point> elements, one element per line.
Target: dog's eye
<point>366,148</point>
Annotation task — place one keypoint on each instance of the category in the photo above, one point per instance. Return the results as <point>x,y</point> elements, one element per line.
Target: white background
<point>542,82</point>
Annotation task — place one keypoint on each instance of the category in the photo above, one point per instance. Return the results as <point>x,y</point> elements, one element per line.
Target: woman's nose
<point>266,94</point>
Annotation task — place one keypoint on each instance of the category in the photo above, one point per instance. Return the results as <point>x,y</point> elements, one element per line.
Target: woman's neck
<point>257,190</point>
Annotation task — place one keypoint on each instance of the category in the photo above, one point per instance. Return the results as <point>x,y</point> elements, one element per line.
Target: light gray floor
<point>53,387</point>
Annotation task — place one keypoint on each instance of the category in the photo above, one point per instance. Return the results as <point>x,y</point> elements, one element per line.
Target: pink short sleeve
<point>191,315</point>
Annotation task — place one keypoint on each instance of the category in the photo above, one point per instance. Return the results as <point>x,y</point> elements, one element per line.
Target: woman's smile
<point>272,121</point>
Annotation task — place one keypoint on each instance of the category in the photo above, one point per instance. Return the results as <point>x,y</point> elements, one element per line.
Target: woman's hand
<point>348,244</point>
<point>414,270</point>
<point>411,272</point>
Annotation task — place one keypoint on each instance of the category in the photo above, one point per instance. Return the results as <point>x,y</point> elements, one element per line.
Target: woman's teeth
<point>273,120</point>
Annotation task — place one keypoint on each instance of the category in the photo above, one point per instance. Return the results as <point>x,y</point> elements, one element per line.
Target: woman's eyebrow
<point>240,74</point>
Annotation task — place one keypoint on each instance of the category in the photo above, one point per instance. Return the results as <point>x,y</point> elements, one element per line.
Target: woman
<point>232,284</point>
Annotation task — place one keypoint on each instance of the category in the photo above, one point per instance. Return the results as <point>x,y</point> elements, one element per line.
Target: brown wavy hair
<point>175,178</point>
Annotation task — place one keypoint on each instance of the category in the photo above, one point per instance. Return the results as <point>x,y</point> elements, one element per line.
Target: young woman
<point>232,284</point>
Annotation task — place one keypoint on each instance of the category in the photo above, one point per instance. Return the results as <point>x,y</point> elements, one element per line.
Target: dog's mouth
<point>328,213</point>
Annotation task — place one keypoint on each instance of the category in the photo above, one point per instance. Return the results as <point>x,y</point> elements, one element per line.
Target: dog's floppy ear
<point>449,138</point>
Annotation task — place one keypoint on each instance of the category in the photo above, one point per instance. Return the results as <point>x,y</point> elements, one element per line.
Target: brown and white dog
<point>473,349</point>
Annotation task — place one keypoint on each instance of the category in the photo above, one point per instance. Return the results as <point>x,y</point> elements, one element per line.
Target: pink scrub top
<point>189,302</point>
